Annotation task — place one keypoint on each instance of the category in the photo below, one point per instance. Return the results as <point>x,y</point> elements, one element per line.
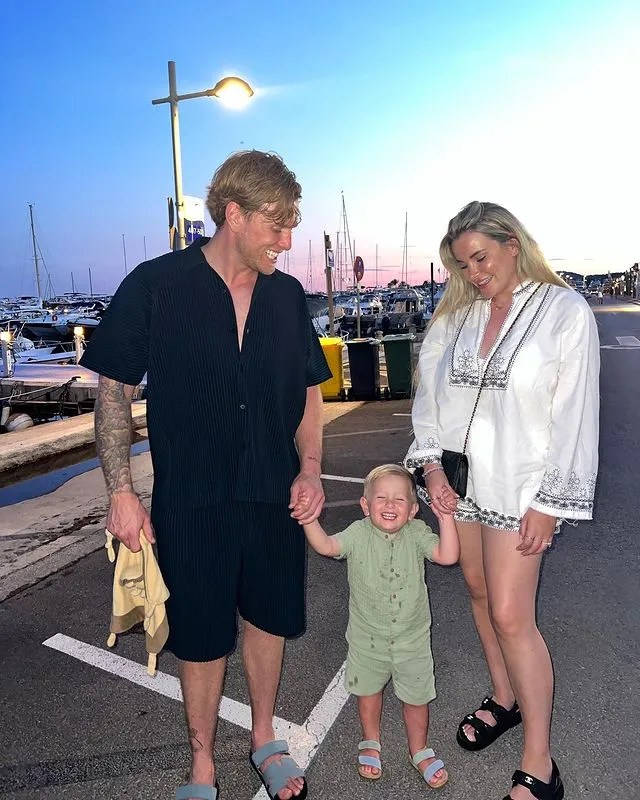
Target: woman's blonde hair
<point>501,225</point>
<point>390,469</point>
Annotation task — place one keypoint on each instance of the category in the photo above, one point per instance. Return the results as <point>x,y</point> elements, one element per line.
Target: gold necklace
<point>501,308</point>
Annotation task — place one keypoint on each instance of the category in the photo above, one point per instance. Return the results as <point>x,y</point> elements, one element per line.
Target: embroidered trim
<point>464,367</point>
<point>566,495</point>
<point>421,453</point>
<point>411,462</point>
<point>470,512</point>
<point>524,288</point>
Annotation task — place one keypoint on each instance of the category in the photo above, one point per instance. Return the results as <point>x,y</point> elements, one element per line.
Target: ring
<point>548,543</point>
<point>527,537</point>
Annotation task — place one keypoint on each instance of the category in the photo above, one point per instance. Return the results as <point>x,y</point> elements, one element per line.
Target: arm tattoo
<point>113,434</point>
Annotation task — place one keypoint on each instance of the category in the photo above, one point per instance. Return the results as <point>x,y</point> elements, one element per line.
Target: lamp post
<point>233,92</point>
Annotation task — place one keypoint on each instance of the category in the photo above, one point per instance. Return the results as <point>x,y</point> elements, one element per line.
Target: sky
<point>408,110</point>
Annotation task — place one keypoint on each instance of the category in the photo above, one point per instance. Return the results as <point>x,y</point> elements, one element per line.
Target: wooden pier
<point>45,381</point>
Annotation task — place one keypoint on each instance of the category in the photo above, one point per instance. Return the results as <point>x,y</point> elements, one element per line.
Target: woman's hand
<point>443,499</point>
<point>536,532</point>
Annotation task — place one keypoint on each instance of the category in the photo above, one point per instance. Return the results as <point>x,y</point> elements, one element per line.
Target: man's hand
<point>307,498</point>
<point>126,518</point>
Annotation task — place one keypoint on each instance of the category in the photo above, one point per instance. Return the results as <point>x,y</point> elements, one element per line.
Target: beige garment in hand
<point>139,595</point>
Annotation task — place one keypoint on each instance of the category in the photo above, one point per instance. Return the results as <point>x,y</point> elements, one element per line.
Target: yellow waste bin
<point>333,388</point>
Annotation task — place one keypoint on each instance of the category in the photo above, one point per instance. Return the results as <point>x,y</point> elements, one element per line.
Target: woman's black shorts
<point>227,558</point>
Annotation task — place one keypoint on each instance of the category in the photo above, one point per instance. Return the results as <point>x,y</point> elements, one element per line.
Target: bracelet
<point>433,469</point>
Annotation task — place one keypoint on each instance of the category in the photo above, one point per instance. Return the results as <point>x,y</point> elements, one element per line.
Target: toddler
<point>389,618</point>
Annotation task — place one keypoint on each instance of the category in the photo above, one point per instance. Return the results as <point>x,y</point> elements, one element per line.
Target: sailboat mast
<point>73,286</point>
<point>376,266</point>
<point>405,260</point>
<point>347,234</point>
<point>35,252</point>
<point>90,284</point>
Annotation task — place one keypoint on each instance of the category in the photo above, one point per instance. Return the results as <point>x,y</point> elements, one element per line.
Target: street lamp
<point>231,91</point>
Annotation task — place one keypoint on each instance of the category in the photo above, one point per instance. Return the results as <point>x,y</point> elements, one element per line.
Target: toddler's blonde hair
<point>390,469</point>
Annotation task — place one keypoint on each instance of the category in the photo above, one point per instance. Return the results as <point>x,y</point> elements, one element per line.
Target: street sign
<point>358,268</point>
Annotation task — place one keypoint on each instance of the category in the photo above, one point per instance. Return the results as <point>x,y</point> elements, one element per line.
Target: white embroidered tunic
<point>533,442</point>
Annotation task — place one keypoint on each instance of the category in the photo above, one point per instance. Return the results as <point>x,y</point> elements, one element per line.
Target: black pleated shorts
<point>227,558</point>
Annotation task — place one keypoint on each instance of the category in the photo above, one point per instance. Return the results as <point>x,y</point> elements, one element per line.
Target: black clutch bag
<point>456,468</point>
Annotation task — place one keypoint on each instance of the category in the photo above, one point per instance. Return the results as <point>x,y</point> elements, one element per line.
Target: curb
<point>33,567</point>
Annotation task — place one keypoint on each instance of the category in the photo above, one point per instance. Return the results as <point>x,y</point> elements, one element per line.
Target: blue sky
<point>411,107</point>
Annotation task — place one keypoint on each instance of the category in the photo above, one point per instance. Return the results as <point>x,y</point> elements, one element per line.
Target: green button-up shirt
<point>389,612</point>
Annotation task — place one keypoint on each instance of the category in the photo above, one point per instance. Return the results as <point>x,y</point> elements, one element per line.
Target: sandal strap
<point>478,725</point>
<point>276,774</point>
<point>276,747</point>
<point>427,752</point>
<point>431,770</point>
<point>539,790</point>
<point>498,711</point>
<point>370,761</point>
<point>369,744</point>
<point>202,791</point>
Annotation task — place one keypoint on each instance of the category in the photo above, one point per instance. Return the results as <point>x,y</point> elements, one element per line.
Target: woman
<point>511,340</point>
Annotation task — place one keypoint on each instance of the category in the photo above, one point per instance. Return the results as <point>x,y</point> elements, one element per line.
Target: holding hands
<point>443,499</point>
<point>307,498</point>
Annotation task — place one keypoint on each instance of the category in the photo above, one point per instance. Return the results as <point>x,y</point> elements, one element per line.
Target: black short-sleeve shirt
<point>221,420</point>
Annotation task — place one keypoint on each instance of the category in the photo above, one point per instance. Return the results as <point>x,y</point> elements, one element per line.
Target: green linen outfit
<point>389,616</point>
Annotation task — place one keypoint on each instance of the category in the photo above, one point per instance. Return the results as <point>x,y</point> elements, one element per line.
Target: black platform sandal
<point>554,790</point>
<point>487,734</point>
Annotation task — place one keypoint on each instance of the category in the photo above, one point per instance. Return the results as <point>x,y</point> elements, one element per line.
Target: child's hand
<point>436,513</point>
<point>302,503</point>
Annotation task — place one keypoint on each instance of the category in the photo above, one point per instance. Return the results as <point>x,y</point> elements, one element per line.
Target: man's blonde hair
<point>255,181</point>
<point>390,469</point>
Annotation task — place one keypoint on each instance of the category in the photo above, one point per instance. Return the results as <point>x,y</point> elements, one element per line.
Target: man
<point>235,432</point>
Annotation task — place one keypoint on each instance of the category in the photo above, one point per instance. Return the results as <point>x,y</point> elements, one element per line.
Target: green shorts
<point>412,675</point>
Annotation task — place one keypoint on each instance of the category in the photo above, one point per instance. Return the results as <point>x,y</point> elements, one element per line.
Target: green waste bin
<point>398,355</point>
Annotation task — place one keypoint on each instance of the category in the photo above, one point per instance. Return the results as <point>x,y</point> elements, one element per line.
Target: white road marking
<point>628,341</point>
<point>364,433</point>
<point>230,710</point>
<point>620,347</point>
<point>341,478</point>
<point>399,414</point>
<point>304,740</point>
<point>342,503</point>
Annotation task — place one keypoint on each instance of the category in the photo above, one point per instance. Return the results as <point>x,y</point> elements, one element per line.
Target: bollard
<point>78,338</point>
<point>8,361</point>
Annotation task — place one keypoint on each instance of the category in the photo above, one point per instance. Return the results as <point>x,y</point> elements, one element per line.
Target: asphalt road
<point>72,730</point>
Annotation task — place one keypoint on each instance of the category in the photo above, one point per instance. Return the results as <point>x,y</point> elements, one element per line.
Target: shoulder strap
<point>495,350</point>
